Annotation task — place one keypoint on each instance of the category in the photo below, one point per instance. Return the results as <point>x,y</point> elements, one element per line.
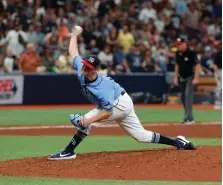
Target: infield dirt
<point>203,164</point>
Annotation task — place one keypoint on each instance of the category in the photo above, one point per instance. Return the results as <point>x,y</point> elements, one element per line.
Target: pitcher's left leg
<point>132,125</point>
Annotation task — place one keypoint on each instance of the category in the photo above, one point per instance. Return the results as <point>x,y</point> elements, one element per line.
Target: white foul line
<point>102,126</point>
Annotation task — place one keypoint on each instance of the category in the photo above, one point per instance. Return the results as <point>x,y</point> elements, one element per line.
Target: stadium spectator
<point>149,64</point>
<point>161,63</point>
<point>62,30</point>
<point>106,56</point>
<point>72,20</point>
<point>147,12</point>
<point>64,63</point>
<point>9,62</point>
<point>31,34</point>
<point>126,38</point>
<point>39,38</point>
<point>51,25</point>
<point>181,7</point>
<point>92,48</point>
<point>30,9</point>
<point>207,61</point>
<point>120,60</point>
<point>144,23</point>
<point>214,28</point>
<point>112,38</point>
<point>103,8</point>
<point>29,61</point>
<point>15,40</point>
<point>3,69</point>
<point>135,59</point>
<point>87,32</point>
<point>52,41</point>
<point>61,17</point>
<point>48,60</point>
<point>118,69</point>
<point>218,9</point>
<point>160,22</point>
<point>192,16</point>
<point>40,9</point>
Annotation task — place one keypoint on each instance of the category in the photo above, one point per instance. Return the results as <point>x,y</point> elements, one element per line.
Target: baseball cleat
<point>188,122</point>
<point>62,155</point>
<point>183,121</point>
<point>183,144</point>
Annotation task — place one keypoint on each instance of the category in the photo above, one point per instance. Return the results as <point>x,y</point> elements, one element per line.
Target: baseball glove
<point>78,121</point>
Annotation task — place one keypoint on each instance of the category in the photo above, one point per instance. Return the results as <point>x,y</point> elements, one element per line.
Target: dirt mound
<point>203,164</point>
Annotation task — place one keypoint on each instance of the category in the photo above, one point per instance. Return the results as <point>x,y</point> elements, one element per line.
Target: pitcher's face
<point>86,71</point>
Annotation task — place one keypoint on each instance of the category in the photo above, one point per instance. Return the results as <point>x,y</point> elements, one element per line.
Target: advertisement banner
<point>11,90</point>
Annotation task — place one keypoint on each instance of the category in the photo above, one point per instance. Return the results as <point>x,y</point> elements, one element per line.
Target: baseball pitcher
<point>113,104</point>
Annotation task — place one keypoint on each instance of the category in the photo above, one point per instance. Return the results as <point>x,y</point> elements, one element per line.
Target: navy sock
<point>76,140</point>
<point>167,141</point>
<point>157,138</point>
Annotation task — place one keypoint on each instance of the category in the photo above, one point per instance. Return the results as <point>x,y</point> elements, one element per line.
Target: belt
<point>122,93</point>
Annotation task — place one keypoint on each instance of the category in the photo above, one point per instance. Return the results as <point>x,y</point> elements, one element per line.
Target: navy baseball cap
<point>91,61</point>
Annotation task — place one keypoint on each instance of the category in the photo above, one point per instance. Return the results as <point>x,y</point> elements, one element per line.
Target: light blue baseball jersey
<point>102,92</point>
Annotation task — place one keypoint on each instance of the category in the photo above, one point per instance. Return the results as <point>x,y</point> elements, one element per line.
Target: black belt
<point>122,93</point>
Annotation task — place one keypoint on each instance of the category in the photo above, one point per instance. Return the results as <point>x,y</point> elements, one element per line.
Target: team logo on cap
<point>91,60</point>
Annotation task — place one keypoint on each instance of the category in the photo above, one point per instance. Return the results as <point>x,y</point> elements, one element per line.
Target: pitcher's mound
<point>203,164</point>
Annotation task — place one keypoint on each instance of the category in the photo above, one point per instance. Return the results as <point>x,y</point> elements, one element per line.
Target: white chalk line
<point>101,126</point>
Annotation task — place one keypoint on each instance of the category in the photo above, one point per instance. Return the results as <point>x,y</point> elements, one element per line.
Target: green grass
<point>13,147</point>
<point>60,116</point>
<point>57,181</point>
<point>28,146</point>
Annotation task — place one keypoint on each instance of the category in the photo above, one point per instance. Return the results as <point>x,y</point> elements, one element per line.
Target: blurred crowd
<point>127,35</point>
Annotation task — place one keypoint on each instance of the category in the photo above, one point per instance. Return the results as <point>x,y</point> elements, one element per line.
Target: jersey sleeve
<point>77,64</point>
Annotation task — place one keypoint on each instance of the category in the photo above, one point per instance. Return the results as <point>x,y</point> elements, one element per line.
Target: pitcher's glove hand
<point>78,121</point>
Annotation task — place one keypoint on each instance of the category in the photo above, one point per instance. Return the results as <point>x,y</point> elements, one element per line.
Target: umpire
<point>187,70</point>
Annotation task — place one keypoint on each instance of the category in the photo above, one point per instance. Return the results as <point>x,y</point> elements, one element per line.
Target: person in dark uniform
<point>187,70</point>
<point>218,76</point>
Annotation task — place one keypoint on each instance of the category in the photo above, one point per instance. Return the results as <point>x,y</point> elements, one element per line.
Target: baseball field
<point>28,134</point>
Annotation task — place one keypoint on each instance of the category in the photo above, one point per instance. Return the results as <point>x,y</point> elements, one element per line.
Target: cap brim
<point>88,64</point>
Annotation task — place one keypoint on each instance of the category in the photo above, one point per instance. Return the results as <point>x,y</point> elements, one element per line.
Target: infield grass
<point>57,181</point>
<point>61,116</point>
<point>13,147</point>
